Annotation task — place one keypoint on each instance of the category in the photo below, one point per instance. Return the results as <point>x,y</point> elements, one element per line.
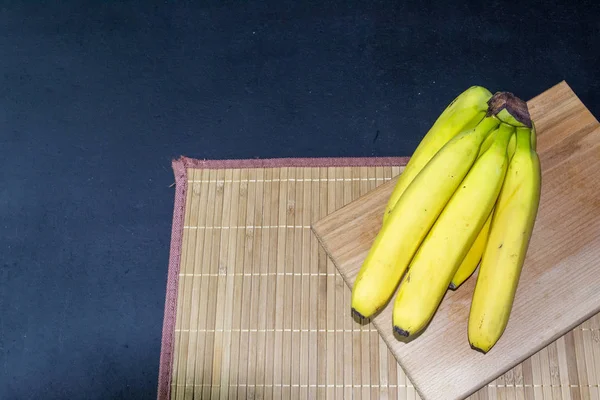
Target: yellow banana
<point>463,113</point>
<point>473,257</point>
<point>508,241</point>
<point>412,217</point>
<point>450,238</point>
<point>471,261</point>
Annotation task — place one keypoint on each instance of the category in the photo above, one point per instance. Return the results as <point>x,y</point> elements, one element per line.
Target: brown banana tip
<point>514,105</point>
<point>357,314</point>
<point>452,286</point>
<point>477,348</point>
<point>401,331</point>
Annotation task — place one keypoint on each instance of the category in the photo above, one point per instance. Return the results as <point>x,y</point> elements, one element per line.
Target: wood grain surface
<point>560,283</point>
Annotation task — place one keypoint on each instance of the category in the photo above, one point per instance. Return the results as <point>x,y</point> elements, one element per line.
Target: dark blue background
<point>96,98</point>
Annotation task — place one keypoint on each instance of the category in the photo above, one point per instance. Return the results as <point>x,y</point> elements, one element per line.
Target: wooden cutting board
<point>560,283</point>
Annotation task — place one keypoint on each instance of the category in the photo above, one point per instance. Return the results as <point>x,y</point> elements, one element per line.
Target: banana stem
<point>524,138</point>
<point>533,136</point>
<point>505,132</point>
<point>516,107</point>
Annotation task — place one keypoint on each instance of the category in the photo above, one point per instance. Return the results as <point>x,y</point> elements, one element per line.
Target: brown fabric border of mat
<point>180,167</point>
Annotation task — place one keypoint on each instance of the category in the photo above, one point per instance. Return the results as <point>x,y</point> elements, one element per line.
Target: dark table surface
<point>96,98</point>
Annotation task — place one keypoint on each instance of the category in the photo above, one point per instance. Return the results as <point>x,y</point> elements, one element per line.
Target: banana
<point>508,241</point>
<point>471,260</point>
<point>463,113</point>
<point>450,238</point>
<point>412,217</point>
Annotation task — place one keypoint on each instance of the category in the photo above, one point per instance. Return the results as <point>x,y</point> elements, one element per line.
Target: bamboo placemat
<point>255,309</point>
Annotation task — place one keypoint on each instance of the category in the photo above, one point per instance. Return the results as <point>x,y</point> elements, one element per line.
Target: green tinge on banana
<point>463,113</point>
<point>512,146</point>
<point>487,142</point>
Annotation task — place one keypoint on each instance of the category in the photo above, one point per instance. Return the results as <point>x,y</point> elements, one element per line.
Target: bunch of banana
<point>467,198</point>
